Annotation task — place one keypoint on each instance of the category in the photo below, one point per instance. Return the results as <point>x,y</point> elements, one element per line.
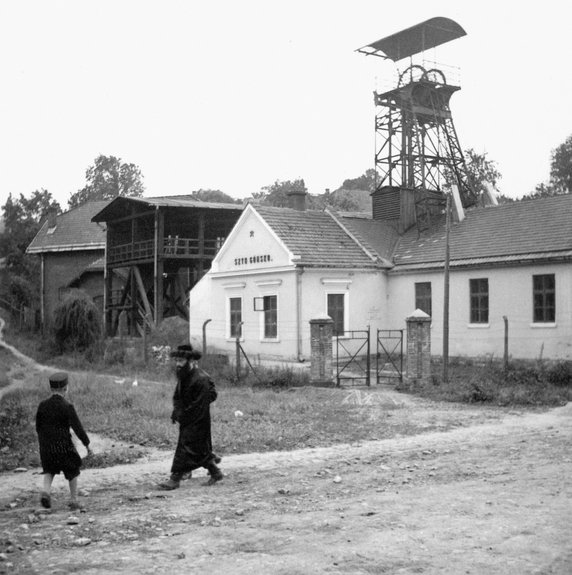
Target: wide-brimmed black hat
<point>58,380</point>
<point>186,352</point>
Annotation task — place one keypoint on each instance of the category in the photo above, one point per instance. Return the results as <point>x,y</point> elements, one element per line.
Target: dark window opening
<point>479,289</point>
<point>423,297</point>
<point>270,317</point>
<point>544,298</point>
<point>336,311</point>
<point>235,317</point>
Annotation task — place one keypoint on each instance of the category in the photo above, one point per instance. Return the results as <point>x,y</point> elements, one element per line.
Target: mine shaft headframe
<point>419,146</point>
<point>424,36</point>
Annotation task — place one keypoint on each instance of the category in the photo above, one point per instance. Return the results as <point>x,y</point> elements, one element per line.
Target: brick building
<point>70,247</point>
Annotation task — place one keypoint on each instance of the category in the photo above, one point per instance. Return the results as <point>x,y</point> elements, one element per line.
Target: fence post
<point>205,336</point>
<point>321,366</point>
<point>238,334</point>
<point>368,361</point>
<point>505,359</point>
<point>146,325</point>
<point>418,347</point>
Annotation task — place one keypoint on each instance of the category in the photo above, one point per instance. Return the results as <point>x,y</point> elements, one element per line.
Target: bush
<point>279,378</point>
<point>21,291</point>
<point>18,443</point>
<point>173,331</point>
<point>560,374</point>
<point>522,383</point>
<point>77,323</point>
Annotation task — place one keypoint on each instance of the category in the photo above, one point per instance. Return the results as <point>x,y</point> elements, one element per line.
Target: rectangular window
<point>423,297</point>
<point>235,317</point>
<point>336,310</point>
<point>270,317</point>
<point>544,298</point>
<point>479,289</point>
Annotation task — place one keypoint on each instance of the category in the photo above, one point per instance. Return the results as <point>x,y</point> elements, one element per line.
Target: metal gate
<point>389,356</point>
<point>352,357</point>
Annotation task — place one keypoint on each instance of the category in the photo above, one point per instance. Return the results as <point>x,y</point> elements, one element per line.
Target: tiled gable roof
<point>519,231</point>
<point>316,238</point>
<point>74,231</point>
<point>380,237</point>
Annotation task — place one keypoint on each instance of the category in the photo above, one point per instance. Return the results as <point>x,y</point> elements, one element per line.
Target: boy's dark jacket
<point>54,419</point>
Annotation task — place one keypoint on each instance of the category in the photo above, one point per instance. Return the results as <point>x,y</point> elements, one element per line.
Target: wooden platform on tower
<point>159,248</point>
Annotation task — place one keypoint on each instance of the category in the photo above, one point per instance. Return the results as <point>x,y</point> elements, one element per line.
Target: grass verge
<point>529,384</point>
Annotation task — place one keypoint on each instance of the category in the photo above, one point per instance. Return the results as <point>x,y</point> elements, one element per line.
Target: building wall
<point>59,270</point>
<point>510,295</point>
<point>364,297</point>
<point>254,263</point>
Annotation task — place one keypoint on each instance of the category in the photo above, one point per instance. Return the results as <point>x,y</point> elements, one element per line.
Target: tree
<point>365,182</point>
<point>277,193</point>
<point>23,219</point>
<point>109,178</point>
<point>561,168</point>
<point>77,323</point>
<point>480,170</point>
<point>213,196</point>
<point>560,179</point>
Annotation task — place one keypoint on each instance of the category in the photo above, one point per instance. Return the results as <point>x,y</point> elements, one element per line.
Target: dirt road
<point>494,497</point>
<point>489,492</point>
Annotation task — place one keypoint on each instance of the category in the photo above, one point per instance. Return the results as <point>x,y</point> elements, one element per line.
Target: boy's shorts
<point>69,473</point>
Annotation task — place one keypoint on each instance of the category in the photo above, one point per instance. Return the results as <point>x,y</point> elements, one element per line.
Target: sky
<point>235,95</point>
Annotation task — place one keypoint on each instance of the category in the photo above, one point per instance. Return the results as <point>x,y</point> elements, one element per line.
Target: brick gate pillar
<point>321,332</point>
<point>418,364</point>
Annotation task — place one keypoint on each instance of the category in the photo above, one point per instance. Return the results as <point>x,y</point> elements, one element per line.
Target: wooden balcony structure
<point>156,250</point>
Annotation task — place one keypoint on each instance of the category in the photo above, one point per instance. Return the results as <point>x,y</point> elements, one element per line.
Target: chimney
<point>298,199</point>
<point>52,215</point>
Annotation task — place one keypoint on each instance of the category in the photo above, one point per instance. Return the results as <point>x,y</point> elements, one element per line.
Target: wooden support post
<point>107,290</point>
<point>201,244</point>
<point>158,267</point>
<point>142,293</point>
<point>132,321</point>
<point>113,325</point>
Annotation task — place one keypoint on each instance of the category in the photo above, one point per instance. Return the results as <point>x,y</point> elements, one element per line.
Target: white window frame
<point>262,314</point>
<point>227,316</point>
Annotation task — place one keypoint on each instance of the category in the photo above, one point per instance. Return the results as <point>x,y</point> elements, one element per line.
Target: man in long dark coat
<point>193,395</point>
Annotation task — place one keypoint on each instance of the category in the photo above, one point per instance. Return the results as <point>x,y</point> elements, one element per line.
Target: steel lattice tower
<point>417,147</point>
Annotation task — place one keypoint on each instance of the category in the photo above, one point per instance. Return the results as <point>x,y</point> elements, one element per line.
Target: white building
<point>510,261</point>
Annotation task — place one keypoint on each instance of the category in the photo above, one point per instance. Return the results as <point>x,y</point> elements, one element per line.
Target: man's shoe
<point>217,458</point>
<point>214,479</point>
<point>170,485</point>
<point>215,475</point>
<point>188,475</point>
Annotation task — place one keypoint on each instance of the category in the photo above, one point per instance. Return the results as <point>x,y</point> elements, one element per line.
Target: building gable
<point>252,245</point>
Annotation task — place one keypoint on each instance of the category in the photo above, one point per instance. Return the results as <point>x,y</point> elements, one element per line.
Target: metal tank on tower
<point>418,155</point>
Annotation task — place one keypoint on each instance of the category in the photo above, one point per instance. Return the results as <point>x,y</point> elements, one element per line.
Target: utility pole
<point>446,292</point>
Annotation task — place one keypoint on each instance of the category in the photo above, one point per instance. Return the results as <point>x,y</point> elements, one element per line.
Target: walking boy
<point>193,395</point>
<point>54,419</point>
